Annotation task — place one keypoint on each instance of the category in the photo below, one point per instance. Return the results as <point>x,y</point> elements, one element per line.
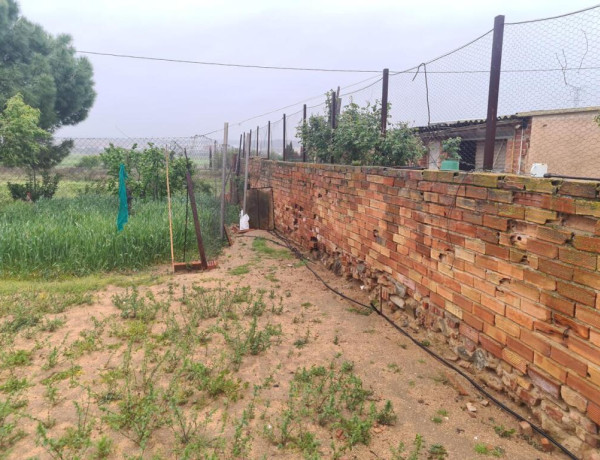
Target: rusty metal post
<point>304,126</point>
<point>384,100</point>
<point>224,178</point>
<point>269,140</point>
<point>284,137</point>
<point>333,109</point>
<point>492,113</point>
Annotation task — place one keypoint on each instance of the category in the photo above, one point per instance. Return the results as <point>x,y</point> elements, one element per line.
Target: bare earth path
<point>138,387</point>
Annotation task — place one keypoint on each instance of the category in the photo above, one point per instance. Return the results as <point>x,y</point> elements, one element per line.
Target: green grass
<point>77,236</point>
<point>260,246</point>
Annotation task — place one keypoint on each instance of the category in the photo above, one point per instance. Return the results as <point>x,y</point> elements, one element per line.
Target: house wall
<point>569,143</point>
<point>502,268</point>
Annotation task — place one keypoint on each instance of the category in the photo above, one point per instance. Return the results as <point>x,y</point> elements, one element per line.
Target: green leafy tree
<point>358,139</point>
<point>23,143</point>
<point>44,69</point>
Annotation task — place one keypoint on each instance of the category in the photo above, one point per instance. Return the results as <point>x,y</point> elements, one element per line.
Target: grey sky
<point>153,99</point>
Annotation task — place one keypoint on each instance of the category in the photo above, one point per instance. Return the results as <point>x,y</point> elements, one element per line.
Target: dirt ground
<point>256,359</point>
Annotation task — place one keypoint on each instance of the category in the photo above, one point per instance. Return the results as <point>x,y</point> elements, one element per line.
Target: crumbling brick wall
<point>505,268</point>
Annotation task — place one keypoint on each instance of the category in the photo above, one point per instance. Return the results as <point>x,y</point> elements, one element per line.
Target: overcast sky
<point>154,99</point>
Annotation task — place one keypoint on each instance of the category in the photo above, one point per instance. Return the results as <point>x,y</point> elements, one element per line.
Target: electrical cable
<point>433,354</point>
<point>224,64</point>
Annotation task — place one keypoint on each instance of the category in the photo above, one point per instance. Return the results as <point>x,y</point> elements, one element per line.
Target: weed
<point>15,358</point>
<point>393,367</point>
<point>397,451</point>
<point>484,449</point>
<point>9,434</point>
<point>52,325</point>
<point>336,340</point>
<point>14,385</point>
<point>442,412</point>
<point>74,442</point>
<point>132,305</point>
<point>386,416</point>
<point>103,448</point>
<point>504,432</point>
<point>437,452</point>
<point>417,446</point>
<point>70,373</point>
<point>240,270</point>
<point>360,311</point>
<point>436,419</point>
<point>306,305</point>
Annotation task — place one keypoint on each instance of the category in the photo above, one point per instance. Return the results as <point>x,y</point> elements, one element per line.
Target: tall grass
<point>78,236</point>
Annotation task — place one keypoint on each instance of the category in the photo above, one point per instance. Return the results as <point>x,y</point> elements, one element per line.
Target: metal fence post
<point>246,173</point>
<point>269,140</point>
<point>304,126</point>
<point>257,154</point>
<point>333,108</point>
<point>225,142</point>
<point>492,113</point>
<point>250,143</point>
<point>384,100</point>
<point>284,137</point>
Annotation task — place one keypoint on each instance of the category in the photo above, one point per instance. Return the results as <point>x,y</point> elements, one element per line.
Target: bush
<point>33,190</point>
<point>358,140</point>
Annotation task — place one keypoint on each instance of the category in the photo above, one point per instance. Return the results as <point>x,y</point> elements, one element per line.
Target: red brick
<point>579,294</point>
<point>494,333</point>
<point>497,251</point>
<point>583,349</point>
<point>553,235</point>
<point>493,304</point>
<point>508,326</point>
<point>519,317</point>
<point>586,243</point>
<point>536,342</point>
<point>579,258</point>
<point>593,412</point>
<point>555,269</point>
<point>464,303</point>
<point>542,248</point>
<point>591,392</point>
<point>588,315</point>
<point>473,321</point>
<point>590,279</point>
<point>580,329</point>
<point>515,360</point>
<point>535,310</point>
<point>491,345</point>
<point>569,360</point>
<point>483,313</point>
<point>520,348</point>
<point>499,223</point>
<point>556,302</point>
<point>544,381</point>
<point>526,290</point>
<point>469,332</point>
<point>540,280</point>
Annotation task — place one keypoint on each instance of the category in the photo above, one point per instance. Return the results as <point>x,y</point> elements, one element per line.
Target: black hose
<point>562,176</point>
<point>482,390</point>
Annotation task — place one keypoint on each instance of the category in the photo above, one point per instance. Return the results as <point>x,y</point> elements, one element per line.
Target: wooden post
<point>304,126</point>
<point>225,142</point>
<point>246,175</point>
<point>209,157</point>
<point>492,113</point>
<point>284,137</point>
<point>384,100</point>
<point>190,188</point>
<point>257,154</point>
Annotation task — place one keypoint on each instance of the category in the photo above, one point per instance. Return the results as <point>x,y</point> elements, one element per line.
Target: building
<point>567,140</point>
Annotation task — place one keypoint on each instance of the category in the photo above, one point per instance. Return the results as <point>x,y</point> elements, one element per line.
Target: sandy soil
<point>334,331</point>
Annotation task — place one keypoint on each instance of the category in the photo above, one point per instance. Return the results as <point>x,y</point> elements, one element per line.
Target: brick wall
<point>505,268</point>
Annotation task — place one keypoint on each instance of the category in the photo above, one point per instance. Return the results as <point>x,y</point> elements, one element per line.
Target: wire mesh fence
<point>545,113</point>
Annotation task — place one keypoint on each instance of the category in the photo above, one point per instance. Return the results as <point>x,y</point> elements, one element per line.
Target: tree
<point>43,69</point>
<point>23,143</point>
<point>358,139</point>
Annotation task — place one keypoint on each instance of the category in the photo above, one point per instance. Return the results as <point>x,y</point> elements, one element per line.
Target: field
<point>253,360</point>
